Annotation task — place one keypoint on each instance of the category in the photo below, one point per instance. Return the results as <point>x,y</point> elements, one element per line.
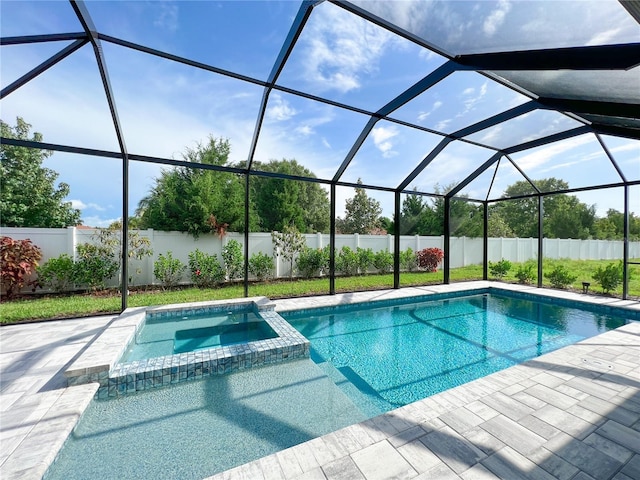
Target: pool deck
<point>570,414</point>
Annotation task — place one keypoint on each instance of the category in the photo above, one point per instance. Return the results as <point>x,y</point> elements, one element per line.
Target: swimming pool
<point>196,429</point>
<point>385,357</point>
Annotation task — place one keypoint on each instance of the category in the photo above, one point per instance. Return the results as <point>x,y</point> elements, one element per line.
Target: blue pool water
<point>365,360</point>
<point>171,335</point>
<point>390,356</point>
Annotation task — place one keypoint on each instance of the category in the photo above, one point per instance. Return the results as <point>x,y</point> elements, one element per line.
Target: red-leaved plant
<point>18,259</point>
<point>430,258</point>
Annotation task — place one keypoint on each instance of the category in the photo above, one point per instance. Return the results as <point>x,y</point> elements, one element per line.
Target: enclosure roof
<point>404,95</point>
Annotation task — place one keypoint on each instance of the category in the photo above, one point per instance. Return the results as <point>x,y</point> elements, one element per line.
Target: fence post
<point>356,239</point>
<point>71,242</point>
<point>319,239</point>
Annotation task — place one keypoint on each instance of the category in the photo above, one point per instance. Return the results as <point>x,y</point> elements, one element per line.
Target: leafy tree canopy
<point>28,194</point>
<point>186,199</point>
<point>362,214</point>
<point>281,202</point>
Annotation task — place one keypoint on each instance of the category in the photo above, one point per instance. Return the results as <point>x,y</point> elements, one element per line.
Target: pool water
<point>391,356</point>
<point>365,360</point>
<point>193,430</point>
<point>161,336</point>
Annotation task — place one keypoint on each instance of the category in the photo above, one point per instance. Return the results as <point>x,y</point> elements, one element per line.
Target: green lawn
<point>51,307</point>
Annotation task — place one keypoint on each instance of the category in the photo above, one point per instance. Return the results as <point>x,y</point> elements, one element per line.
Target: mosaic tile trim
<point>142,375</point>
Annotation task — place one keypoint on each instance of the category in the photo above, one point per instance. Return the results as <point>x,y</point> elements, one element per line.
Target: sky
<point>165,107</point>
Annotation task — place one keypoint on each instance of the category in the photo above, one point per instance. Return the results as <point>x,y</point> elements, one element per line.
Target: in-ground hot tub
<point>152,347</point>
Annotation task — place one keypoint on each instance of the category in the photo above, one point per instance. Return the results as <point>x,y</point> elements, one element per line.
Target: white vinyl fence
<point>464,251</point>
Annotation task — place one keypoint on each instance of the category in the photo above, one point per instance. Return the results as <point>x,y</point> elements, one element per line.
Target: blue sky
<point>165,107</point>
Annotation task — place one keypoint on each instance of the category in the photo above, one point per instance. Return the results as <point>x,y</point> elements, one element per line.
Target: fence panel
<point>464,251</point>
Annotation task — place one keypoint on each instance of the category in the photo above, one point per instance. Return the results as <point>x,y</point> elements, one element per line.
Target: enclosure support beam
<point>396,242</point>
<point>332,241</point>
<point>485,241</point>
<point>246,234</point>
<point>540,238</point>
<point>447,239</point>
<point>625,246</point>
<point>89,27</point>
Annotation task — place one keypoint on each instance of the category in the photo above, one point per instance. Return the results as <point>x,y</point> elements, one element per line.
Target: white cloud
<point>496,18</point>
<point>604,38</point>
<point>443,124</point>
<point>94,221</point>
<point>80,205</point>
<point>304,130</point>
<point>436,105</point>
<point>339,47</point>
<point>541,156</point>
<point>167,16</point>
<point>279,109</point>
<point>326,143</point>
<point>382,140</point>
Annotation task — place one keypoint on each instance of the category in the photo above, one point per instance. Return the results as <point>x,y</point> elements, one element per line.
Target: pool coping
<point>28,452</point>
<point>101,362</point>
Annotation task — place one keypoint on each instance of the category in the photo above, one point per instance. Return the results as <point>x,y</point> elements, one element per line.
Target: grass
<point>51,307</point>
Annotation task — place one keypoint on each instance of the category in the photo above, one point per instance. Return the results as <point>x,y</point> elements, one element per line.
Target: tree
<point>282,202</point>
<point>362,213</point>
<point>564,215</point>
<point>28,194</point>
<point>185,199</point>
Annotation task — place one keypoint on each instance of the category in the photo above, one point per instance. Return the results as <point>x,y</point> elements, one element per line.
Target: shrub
<point>609,277</point>
<point>365,259</point>
<point>261,265</point>
<point>500,269</point>
<point>383,261</point>
<point>408,260</point>
<point>560,277</point>
<point>287,245</point>
<point>206,271</point>
<point>138,246</point>
<point>19,259</point>
<point>525,273</point>
<point>59,273</point>
<point>430,258</point>
<point>312,262</point>
<point>347,261</point>
<point>95,265</point>
<point>233,259</point>
<point>168,270</point>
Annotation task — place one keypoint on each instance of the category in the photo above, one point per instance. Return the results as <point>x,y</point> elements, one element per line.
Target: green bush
<point>408,260</point>
<point>560,277</point>
<point>261,265</point>
<point>58,274</point>
<point>365,259</point>
<point>383,261</point>
<point>168,270</point>
<point>311,262</point>
<point>526,273</point>
<point>206,271</point>
<point>609,277</point>
<point>233,259</point>
<point>347,261</point>
<point>499,269</point>
<point>95,265</point>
